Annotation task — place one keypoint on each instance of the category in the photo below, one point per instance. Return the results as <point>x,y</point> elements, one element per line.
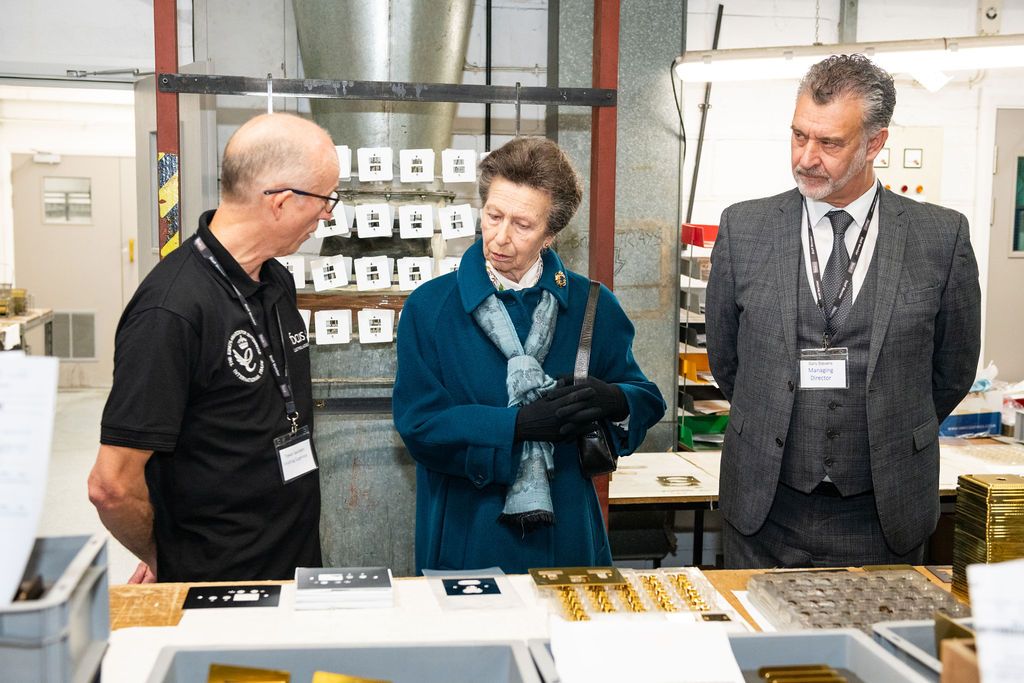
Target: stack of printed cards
<point>343,588</point>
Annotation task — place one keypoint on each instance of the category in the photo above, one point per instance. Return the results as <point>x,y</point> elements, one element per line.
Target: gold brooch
<point>560,279</point>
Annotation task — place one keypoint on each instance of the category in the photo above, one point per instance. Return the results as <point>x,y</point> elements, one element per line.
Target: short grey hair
<point>271,148</point>
<point>857,76</point>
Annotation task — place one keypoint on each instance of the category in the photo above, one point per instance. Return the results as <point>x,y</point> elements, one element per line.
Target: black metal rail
<point>387,91</point>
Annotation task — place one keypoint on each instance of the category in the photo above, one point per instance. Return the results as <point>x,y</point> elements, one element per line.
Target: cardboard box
<point>979,413</point>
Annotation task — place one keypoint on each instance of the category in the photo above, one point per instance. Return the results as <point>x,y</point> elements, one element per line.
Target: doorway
<point>1004,322</point>
<point>74,251</point>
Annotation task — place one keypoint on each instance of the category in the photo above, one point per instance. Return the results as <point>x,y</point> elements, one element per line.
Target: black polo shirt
<point>191,385</point>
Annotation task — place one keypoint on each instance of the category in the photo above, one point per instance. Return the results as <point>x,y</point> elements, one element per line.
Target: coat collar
<point>475,286</point>
<point>892,240</point>
<point>784,223</point>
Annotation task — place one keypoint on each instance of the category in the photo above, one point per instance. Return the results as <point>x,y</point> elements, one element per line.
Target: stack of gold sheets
<point>989,523</point>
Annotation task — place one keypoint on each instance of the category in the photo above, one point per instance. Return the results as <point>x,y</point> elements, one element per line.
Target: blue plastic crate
<point>63,635</point>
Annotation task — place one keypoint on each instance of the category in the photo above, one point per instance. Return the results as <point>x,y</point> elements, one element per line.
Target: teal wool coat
<point>450,407</point>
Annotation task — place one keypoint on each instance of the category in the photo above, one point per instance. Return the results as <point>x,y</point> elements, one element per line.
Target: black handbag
<point>596,455</point>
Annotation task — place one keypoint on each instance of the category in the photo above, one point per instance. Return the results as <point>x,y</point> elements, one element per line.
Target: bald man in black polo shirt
<point>206,469</point>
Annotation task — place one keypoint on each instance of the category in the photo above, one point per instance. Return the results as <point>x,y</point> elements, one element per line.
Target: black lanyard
<point>283,382</point>
<point>848,279</point>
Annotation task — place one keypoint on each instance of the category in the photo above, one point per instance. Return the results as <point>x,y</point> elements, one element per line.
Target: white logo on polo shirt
<point>244,357</point>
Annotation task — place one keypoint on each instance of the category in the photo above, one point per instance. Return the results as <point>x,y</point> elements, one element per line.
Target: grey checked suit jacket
<point>922,358</point>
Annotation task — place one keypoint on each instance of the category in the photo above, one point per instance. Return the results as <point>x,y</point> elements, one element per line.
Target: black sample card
<point>205,597</point>
<point>479,585</point>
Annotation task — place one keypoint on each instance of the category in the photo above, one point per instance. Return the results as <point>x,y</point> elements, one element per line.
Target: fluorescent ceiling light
<point>929,57</point>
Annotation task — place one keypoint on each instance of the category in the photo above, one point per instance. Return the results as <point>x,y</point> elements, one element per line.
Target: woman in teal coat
<point>476,398</point>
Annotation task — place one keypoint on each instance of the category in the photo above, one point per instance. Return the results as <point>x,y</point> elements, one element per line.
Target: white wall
<point>746,147</point>
<point>46,38</point>
<point>61,121</point>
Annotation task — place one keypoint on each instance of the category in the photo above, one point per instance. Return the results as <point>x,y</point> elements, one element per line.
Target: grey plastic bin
<point>841,648</point>
<point>914,643</point>
<point>494,662</point>
<point>61,636</point>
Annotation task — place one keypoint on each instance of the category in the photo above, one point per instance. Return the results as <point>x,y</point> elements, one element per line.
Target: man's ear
<point>876,143</point>
<point>277,202</point>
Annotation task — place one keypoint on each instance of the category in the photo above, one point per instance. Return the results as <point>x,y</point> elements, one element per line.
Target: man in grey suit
<point>843,323</point>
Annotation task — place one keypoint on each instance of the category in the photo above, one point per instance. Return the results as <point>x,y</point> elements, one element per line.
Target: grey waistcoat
<point>828,431</point>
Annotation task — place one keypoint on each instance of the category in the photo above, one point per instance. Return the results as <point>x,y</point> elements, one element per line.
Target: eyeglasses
<point>329,202</point>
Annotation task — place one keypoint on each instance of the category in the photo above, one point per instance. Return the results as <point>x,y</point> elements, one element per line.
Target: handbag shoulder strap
<point>582,367</point>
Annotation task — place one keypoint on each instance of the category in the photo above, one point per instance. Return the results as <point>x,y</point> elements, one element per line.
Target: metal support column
<point>602,165</point>
<point>165,38</point>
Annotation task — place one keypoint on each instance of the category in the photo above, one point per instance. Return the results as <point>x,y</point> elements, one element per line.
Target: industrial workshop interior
<point>471,341</point>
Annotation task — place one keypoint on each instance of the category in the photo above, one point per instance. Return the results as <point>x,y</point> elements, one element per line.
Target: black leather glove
<point>608,402</point>
<point>539,421</point>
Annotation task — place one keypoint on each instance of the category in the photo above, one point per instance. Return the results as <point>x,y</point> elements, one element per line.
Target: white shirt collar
<point>858,208</point>
<point>530,278</point>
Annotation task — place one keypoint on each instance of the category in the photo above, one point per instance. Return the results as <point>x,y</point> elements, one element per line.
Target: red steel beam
<point>165,40</point>
<point>602,165</point>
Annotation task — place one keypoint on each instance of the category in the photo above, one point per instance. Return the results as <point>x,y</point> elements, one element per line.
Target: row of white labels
<point>415,221</point>
<point>376,326</point>
<point>368,273</point>
<point>376,164</point>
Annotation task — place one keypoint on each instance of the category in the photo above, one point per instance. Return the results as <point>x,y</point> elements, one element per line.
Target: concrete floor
<point>67,510</point>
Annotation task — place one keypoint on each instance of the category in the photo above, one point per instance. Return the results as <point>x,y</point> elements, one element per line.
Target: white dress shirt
<point>822,229</point>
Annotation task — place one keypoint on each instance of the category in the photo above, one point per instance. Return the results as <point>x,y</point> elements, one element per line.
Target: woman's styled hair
<point>541,164</point>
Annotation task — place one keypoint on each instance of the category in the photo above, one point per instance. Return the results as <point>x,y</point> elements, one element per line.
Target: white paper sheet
<point>333,326</point>
<point>457,221</point>
<point>458,165</point>
<point>28,395</point>
<point>329,272</point>
<point>372,272</point>
<point>376,325</point>
<point>374,220</point>
<point>296,265</point>
<point>375,164</point>
<point>413,271</point>
<point>344,161</point>
<point>618,649</point>
<point>416,165</point>
<point>415,221</point>
<point>449,264</point>
<point>339,225</point>
<point>997,604</point>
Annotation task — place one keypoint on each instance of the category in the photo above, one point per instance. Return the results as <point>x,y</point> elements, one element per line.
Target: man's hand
<point>143,574</point>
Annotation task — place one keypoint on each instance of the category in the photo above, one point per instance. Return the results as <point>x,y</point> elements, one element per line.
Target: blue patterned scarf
<point>528,500</point>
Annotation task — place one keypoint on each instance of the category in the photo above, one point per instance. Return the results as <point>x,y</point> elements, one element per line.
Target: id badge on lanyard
<point>824,368</point>
<point>294,449</point>
<point>827,367</point>
<point>295,454</point>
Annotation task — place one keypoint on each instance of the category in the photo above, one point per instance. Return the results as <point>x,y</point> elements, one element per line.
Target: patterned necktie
<point>835,271</point>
